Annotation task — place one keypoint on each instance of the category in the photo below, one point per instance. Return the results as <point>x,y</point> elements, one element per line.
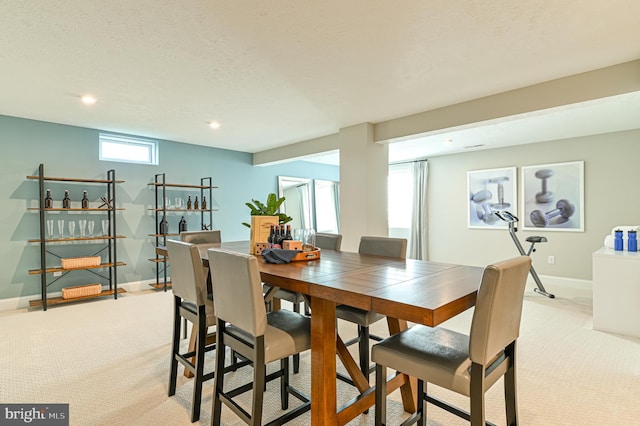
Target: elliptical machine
<point>512,220</point>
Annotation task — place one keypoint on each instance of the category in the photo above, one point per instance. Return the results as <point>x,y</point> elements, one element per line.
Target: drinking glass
<point>61,228</point>
<point>298,235</point>
<point>178,203</point>
<point>72,228</point>
<point>82,224</point>
<point>105,227</point>
<point>310,235</point>
<point>49,228</point>
<point>91,226</point>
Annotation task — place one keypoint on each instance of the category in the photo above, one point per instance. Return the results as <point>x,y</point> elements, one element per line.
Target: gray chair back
<point>384,246</point>
<point>328,241</point>
<point>201,237</point>
<point>188,279</point>
<point>496,318</point>
<point>237,290</point>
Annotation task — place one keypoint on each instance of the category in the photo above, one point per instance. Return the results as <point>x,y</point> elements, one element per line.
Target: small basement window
<point>127,149</point>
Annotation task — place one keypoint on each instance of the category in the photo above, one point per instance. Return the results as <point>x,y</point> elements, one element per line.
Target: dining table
<point>404,290</point>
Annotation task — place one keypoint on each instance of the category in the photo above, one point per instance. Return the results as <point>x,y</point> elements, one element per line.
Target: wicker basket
<point>81,262</point>
<point>81,290</point>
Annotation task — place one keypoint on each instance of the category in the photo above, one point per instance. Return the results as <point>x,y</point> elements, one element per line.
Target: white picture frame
<point>553,197</point>
<point>490,190</point>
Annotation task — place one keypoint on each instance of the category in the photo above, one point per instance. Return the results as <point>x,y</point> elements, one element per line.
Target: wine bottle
<point>182,225</point>
<point>66,201</point>
<point>272,234</point>
<point>85,200</point>
<point>48,202</point>
<point>204,202</point>
<point>196,204</point>
<point>287,235</point>
<point>189,203</point>
<point>163,227</point>
<point>277,239</point>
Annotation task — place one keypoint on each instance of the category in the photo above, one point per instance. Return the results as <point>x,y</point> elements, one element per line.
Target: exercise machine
<point>512,220</point>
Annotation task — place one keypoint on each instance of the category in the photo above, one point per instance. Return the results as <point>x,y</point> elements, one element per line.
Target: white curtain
<point>418,240</point>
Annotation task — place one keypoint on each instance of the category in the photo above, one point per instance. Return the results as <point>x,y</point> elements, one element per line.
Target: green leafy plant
<point>269,209</point>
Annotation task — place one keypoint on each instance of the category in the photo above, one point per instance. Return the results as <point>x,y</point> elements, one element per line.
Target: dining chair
<point>323,241</point>
<point>191,303</point>
<point>376,246</point>
<point>201,237</point>
<point>466,364</point>
<point>244,325</point>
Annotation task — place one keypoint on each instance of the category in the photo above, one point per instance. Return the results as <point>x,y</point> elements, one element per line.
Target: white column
<point>363,185</point>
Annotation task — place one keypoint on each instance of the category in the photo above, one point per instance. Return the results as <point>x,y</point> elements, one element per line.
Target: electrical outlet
<point>552,260</point>
<point>57,274</point>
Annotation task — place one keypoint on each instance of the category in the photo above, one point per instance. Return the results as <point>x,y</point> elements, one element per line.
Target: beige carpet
<point>109,360</point>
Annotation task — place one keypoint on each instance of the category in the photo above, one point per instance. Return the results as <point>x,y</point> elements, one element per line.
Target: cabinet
<point>616,291</point>
<point>56,236</point>
<point>171,200</point>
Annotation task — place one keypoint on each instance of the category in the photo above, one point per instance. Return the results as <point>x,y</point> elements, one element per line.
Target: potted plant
<point>263,216</point>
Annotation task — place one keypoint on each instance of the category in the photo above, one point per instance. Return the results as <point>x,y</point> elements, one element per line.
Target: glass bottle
<point>85,200</point>
<point>196,204</point>
<point>182,225</point>
<point>287,235</point>
<point>163,227</point>
<point>66,201</point>
<point>189,203</point>
<point>272,234</point>
<point>204,202</point>
<point>48,201</point>
<point>277,239</point>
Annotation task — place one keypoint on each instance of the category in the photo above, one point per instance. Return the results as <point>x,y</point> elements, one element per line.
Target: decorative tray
<point>307,255</point>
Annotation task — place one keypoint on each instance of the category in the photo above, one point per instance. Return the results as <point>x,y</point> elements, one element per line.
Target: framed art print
<point>490,191</point>
<point>553,197</point>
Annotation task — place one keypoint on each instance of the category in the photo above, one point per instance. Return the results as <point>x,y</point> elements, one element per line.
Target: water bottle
<point>617,242</point>
<point>632,241</point>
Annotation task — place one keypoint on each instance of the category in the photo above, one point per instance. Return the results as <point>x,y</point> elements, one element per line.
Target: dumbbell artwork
<point>500,205</point>
<point>563,208</point>
<point>483,210</point>
<point>545,195</point>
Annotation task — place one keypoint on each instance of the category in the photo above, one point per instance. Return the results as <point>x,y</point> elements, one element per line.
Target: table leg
<point>409,390</point>
<point>323,362</point>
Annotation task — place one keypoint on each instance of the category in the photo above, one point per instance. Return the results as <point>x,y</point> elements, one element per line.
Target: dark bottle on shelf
<point>204,202</point>
<point>48,201</point>
<point>189,203</point>
<point>182,225</point>
<point>66,201</point>
<point>196,204</point>
<point>85,200</point>
<point>272,234</point>
<point>163,227</point>
<point>277,238</point>
<point>287,235</point>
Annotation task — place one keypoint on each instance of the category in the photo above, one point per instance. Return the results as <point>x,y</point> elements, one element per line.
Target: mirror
<point>297,204</point>
<point>327,201</point>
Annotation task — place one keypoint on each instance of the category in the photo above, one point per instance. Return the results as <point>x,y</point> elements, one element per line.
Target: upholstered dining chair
<point>377,246</point>
<point>201,237</point>
<point>244,325</point>
<point>466,364</point>
<point>324,241</point>
<point>191,303</point>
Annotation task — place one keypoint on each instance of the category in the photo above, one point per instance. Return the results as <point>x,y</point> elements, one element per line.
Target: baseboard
<point>22,302</point>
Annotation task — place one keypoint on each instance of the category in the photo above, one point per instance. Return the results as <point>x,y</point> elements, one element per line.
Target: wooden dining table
<point>405,290</point>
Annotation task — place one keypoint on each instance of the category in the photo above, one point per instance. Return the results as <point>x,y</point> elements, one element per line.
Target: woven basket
<point>81,290</point>
<point>80,262</point>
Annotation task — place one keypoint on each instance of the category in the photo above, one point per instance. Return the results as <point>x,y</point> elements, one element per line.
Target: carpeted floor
<point>109,360</point>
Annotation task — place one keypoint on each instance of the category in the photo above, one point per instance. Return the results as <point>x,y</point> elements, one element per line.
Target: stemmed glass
<point>72,228</point>
<point>82,224</point>
<point>61,228</point>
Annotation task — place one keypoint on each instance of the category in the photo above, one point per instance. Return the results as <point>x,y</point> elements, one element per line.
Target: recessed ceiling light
<point>88,99</point>
<point>448,141</point>
<point>214,125</point>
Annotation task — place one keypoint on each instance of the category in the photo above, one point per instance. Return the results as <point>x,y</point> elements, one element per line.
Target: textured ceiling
<point>278,72</point>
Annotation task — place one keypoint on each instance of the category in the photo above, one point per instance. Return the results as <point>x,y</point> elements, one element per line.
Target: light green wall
<point>611,166</point>
<point>68,151</point>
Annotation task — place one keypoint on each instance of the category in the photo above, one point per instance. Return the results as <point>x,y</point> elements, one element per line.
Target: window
<point>128,150</point>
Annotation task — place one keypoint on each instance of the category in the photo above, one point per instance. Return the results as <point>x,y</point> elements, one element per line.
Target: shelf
<point>61,179</point>
<point>164,235</point>
<point>160,286</point>
<point>60,300</point>
<point>185,210</point>
<point>158,260</point>
<point>60,209</point>
<point>61,269</point>
<point>64,240</point>
<point>178,185</point>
